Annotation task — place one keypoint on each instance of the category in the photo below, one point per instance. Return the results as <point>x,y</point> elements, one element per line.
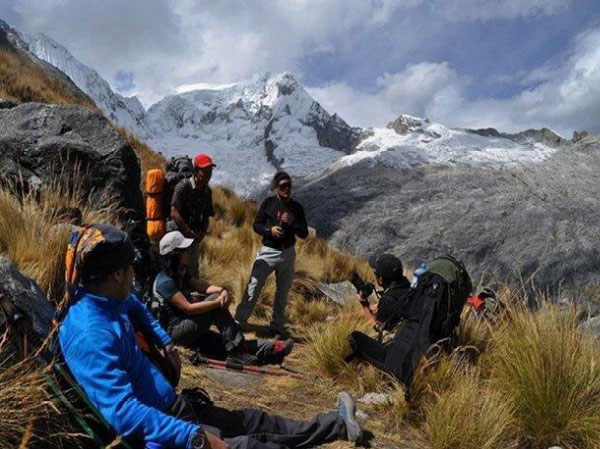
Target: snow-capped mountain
<point>252,128</point>
<point>126,112</point>
<point>410,141</point>
<point>270,122</point>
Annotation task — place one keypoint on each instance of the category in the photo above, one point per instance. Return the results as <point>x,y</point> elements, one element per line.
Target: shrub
<point>550,370</point>
<point>467,416</point>
<point>29,239</point>
<point>328,345</point>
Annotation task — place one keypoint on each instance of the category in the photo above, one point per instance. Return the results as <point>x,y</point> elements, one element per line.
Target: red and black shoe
<point>281,349</point>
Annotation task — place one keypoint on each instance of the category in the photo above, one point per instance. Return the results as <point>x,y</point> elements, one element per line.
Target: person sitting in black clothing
<point>189,308</point>
<point>393,309</point>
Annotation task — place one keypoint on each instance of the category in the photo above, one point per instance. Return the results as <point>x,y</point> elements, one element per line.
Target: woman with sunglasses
<point>279,221</point>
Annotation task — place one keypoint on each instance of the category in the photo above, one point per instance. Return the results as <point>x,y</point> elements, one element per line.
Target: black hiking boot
<point>279,334</point>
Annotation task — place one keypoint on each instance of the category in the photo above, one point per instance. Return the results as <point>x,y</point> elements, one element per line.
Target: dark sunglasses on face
<point>285,185</point>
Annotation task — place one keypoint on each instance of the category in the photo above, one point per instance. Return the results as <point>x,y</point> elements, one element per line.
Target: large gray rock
<point>538,221</point>
<point>40,142</point>
<point>26,295</point>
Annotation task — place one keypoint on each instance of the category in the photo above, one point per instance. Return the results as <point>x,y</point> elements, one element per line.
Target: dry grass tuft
<point>27,413</point>
<point>22,81</point>
<point>328,345</point>
<point>29,238</point>
<point>468,415</point>
<point>550,370</point>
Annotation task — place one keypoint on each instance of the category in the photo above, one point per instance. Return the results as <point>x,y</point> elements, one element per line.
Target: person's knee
<point>354,339</point>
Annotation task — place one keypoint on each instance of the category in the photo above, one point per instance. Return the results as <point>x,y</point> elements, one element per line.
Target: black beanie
<point>278,177</point>
<point>387,266</point>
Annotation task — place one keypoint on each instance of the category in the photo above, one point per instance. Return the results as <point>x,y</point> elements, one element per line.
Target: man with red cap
<point>192,206</point>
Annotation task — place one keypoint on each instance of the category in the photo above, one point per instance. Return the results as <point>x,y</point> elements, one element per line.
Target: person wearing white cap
<point>187,319</point>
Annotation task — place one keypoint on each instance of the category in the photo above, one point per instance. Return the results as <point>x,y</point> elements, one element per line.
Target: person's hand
<point>277,232</point>
<point>173,355</point>
<point>211,441</point>
<point>286,218</point>
<point>224,298</point>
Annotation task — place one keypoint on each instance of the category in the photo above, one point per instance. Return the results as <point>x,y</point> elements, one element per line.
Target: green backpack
<point>458,288</point>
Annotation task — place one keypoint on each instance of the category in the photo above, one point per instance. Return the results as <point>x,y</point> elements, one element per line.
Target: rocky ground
<point>529,222</point>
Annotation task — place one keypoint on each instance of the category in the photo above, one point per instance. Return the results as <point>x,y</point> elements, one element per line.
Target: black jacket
<point>393,304</point>
<point>269,215</point>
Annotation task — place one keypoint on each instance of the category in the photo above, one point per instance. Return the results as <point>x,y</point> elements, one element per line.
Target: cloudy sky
<point>510,64</point>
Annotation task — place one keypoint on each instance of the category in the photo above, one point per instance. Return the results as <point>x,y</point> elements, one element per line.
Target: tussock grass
<point>22,81</point>
<point>550,370</point>
<point>29,237</point>
<point>328,345</point>
<point>28,415</point>
<point>468,415</point>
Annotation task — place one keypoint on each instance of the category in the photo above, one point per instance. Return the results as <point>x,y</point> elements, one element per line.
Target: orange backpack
<point>155,217</point>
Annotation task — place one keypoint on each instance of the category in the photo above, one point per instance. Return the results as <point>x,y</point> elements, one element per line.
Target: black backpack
<point>457,286</point>
<point>178,168</point>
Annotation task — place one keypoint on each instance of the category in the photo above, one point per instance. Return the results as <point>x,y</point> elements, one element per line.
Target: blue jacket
<point>99,346</point>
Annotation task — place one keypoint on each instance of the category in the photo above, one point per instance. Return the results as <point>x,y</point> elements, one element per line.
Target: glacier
<point>255,127</point>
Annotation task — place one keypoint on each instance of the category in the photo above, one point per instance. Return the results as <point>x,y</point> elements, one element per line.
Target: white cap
<point>172,241</point>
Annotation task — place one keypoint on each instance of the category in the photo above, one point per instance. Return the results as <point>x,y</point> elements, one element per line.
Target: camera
<point>364,289</point>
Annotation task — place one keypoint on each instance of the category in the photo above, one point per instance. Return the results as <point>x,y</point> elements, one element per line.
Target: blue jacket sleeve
<point>144,318</point>
<point>100,373</point>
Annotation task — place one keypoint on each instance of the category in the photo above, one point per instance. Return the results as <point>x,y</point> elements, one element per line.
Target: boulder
<point>579,135</point>
<point>24,294</point>
<point>42,143</point>
<point>339,293</point>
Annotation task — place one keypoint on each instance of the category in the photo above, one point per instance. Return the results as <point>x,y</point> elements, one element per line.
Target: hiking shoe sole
<point>347,411</point>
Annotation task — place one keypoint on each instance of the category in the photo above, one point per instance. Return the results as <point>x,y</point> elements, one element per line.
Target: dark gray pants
<point>255,429</point>
<point>190,331</point>
<point>267,261</point>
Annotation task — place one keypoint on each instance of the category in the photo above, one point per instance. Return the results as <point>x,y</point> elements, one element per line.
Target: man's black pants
<point>255,429</point>
<point>395,357</point>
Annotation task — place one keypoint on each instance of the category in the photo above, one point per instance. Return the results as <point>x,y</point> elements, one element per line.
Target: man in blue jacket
<point>98,343</point>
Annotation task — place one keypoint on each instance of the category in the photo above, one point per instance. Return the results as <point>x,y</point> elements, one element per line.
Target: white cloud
<point>474,10</point>
<point>565,95</point>
<point>567,98</point>
<point>167,44</point>
<point>408,92</point>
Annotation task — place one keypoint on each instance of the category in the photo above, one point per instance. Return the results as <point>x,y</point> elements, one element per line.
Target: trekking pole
<point>197,359</point>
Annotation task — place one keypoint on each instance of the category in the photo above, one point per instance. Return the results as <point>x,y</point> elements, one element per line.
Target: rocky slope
<point>126,112</point>
<point>12,41</point>
<point>536,220</point>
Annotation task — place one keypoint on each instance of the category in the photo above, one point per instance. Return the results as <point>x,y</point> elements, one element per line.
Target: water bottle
<point>417,274</point>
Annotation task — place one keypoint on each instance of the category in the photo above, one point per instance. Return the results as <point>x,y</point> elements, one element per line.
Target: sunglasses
<point>284,185</point>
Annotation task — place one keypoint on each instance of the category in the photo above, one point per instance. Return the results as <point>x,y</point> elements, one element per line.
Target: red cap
<point>203,161</point>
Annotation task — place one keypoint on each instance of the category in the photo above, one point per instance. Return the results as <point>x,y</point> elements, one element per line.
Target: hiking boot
<point>241,358</point>
<point>279,334</point>
<point>281,349</point>
<point>346,411</point>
